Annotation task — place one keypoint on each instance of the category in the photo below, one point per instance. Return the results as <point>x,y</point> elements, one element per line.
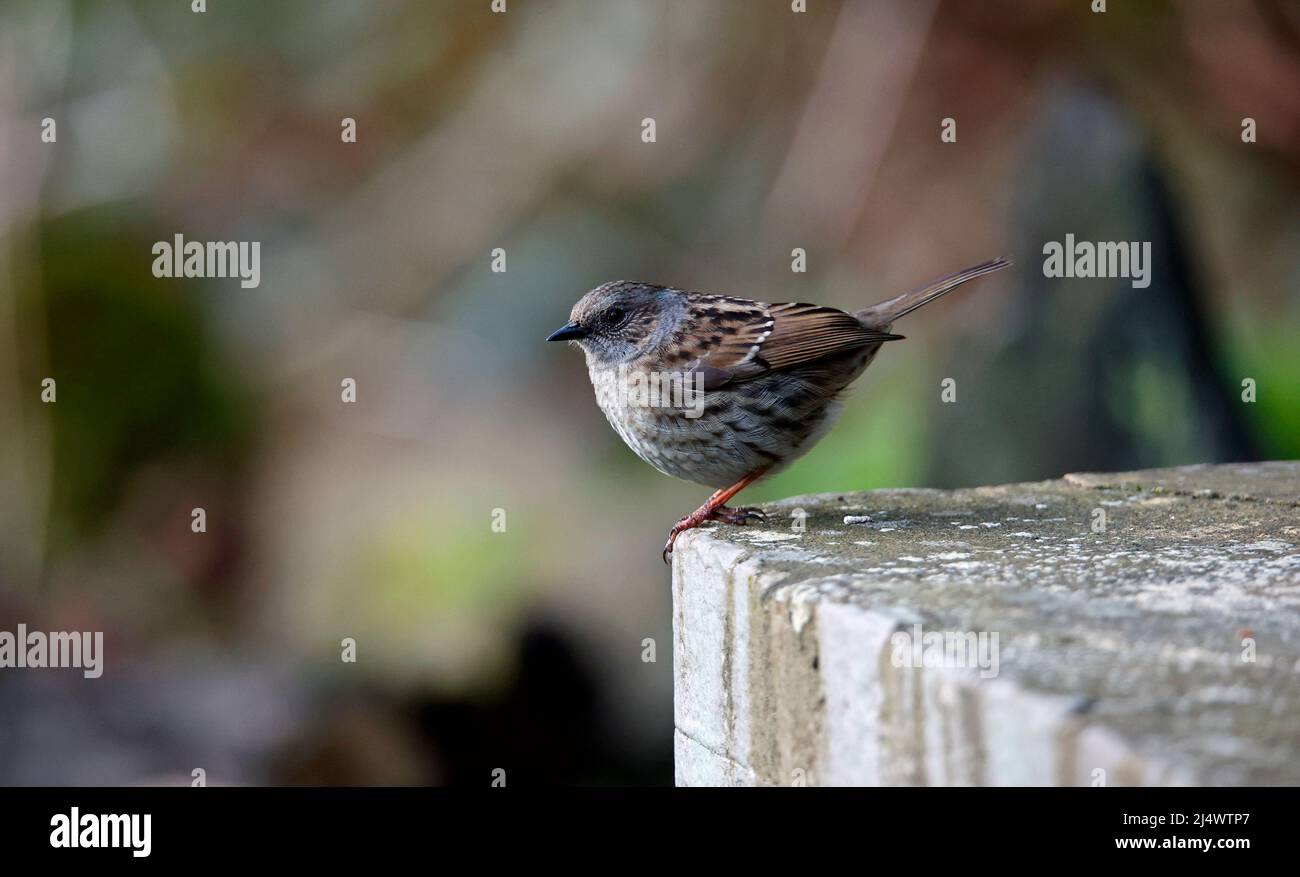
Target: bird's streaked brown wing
<point>740,340</point>
<point>802,333</point>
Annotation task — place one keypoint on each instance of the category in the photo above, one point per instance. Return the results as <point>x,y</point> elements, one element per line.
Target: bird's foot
<point>738,516</point>
<point>690,522</point>
<point>715,509</point>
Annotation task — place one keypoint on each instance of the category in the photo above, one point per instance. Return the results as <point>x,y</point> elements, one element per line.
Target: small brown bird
<point>724,391</point>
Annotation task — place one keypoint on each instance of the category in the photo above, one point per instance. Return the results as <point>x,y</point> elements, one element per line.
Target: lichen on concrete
<point>1148,630</point>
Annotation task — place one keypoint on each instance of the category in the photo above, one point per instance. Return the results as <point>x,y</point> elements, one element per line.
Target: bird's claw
<point>690,521</point>
<point>738,517</point>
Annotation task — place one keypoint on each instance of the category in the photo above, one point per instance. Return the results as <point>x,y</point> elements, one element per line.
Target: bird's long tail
<point>886,312</point>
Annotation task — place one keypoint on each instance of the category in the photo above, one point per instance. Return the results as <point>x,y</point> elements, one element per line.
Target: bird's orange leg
<point>715,507</point>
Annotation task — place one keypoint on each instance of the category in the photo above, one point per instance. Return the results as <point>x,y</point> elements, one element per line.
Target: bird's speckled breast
<point>767,422</point>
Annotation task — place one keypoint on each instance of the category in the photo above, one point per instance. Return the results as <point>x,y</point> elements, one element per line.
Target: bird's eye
<point>614,316</point>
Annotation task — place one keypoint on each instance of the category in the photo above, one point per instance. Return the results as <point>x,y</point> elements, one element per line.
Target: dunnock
<point>723,391</point>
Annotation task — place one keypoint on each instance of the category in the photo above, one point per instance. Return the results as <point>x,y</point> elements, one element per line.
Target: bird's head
<point>620,321</point>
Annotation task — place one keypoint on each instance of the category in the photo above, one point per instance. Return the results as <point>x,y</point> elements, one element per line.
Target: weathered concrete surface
<point>1124,656</point>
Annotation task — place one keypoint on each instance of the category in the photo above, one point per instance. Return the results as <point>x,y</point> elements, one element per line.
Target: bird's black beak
<point>567,332</point>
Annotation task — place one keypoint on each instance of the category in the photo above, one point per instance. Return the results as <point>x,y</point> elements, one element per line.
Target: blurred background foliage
<point>524,650</point>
